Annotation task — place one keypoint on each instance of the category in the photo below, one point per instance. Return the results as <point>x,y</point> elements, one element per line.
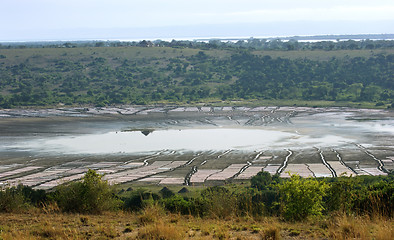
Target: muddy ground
<point>191,145</point>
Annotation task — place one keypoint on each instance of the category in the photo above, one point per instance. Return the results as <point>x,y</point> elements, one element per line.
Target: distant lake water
<point>217,133</point>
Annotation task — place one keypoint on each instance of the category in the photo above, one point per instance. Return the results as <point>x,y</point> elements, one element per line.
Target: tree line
<point>292,199</point>
<point>280,44</point>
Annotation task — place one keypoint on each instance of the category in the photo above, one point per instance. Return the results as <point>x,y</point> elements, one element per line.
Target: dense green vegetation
<point>293,199</point>
<point>184,72</point>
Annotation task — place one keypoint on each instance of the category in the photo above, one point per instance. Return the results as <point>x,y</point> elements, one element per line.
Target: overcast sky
<point>111,19</point>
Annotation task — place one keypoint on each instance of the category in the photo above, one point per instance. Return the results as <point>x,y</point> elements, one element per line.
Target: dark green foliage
<point>249,203</point>
<point>267,193</point>
<point>89,79</point>
<point>91,195</point>
<point>361,195</point>
<point>178,204</point>
<point>376,199</point>
<point>12,199</point>
<point>34,197</point>
<point>219,201</point>
<point>166,193</point>
<point>138,199</point>
<point>340,195</point>
<point>294,199</point>
<point>263,180</point>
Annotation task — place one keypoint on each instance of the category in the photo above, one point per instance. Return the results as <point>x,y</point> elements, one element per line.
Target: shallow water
<point>201,133</point>
<point>186,139</point>
<point>170,147</point>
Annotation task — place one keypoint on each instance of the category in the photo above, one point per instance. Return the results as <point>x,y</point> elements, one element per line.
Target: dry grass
<point>349,227</point>
<point>154,223</point>
<point>161,230</point>
<point>151,214</point>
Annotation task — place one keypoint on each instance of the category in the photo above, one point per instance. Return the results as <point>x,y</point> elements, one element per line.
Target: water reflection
<point>216,133</point>
<point>186,139</point>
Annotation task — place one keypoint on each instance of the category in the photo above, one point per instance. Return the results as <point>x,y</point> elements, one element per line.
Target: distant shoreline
<point>304,38</point>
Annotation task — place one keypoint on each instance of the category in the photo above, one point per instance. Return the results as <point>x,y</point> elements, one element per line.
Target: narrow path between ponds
<point>342,162</point>
<point>380,167</point>
<point>284,165</point>
<point>248,164</point>
<point>333,173</point>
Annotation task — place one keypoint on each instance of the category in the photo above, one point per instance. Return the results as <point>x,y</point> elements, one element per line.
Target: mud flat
<point>174,145</point>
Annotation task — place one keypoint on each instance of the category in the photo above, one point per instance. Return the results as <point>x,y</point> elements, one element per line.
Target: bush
<point>301,198</point>
<point>248,204</point>
<point>376,199</point>
<point>12,199</point>
<point>219,201</point>
<point>341,194</point>
<point>139,199</point>
<point>177,204</point>
<point>166,193</point>
<point>361,195</point>
<point>35,197</point>
<point>91,195</point>
<point>263,180</point>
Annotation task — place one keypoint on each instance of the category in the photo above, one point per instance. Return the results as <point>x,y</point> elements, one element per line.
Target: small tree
<point>12,199</point>
<point>263,180</point>
<point>301,198</point>
<point>91,195</point>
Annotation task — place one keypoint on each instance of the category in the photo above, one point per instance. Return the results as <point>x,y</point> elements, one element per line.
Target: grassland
<point>231,212</point>
<point>154,223</point>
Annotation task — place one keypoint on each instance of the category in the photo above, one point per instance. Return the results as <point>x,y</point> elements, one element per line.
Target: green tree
<point>263,180</point>
<point>301,198</point>
<point>91,195</point>
<point>12,199</point>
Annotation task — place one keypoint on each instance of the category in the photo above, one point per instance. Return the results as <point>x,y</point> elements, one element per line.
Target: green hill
<point>184,73</point>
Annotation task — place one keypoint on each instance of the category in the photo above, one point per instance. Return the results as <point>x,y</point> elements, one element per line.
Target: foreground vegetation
<point>162,225</point>
<point>268,208</point>
<point>339,73</point>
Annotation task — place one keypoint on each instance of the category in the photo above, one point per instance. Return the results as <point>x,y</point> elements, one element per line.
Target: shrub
<point>91,195</point>
<point>361,195</point>
<point>219,201</point>
<point>263,180</point>
<point>166,193</point>
<point>35,197</point>
<point>376,199</point>
<point>341,194</point>
<point>139,199</point>
<point>151,213</point>
<point>301,198</point>
<point>177,204</point>
<point>12,199</point>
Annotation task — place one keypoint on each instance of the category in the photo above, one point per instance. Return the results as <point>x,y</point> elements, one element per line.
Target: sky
<point>34,20</point>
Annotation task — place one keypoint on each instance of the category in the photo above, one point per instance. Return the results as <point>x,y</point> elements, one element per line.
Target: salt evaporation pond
<point>190,145</point>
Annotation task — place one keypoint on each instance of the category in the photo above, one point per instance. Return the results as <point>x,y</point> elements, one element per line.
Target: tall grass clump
<point>91,195</point>
<point>219,202</point>
<point>348,227</point>
<point>161,231</point>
